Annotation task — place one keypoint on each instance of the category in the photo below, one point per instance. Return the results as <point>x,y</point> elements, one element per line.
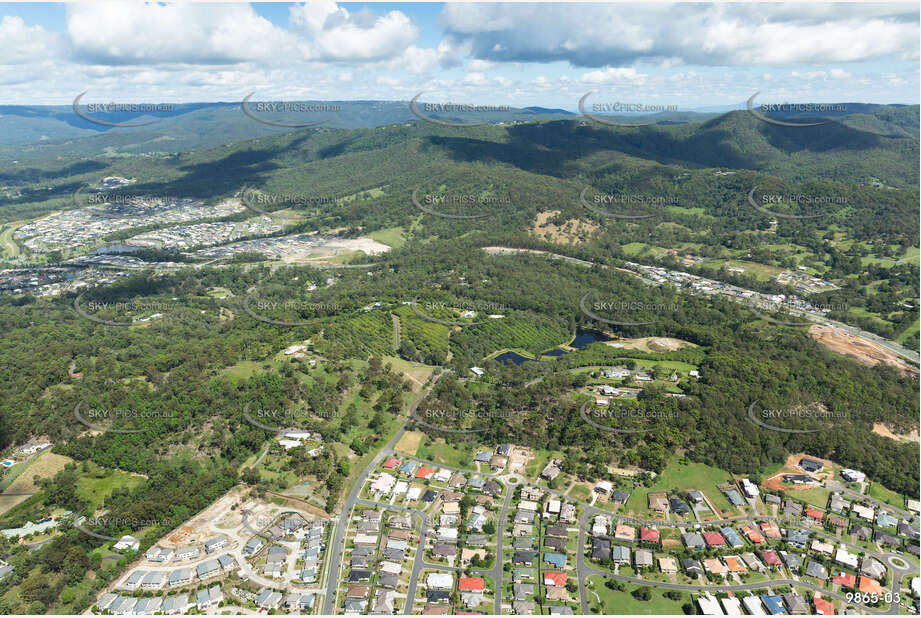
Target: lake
<point>587,337</point>
<point>512,357</point>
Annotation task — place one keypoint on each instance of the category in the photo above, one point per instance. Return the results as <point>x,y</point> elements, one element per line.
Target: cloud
<point>20,43</point>
<point>337,35</point>
<point>613,75</point>
<point>134,33</point>
<point>601,35</point>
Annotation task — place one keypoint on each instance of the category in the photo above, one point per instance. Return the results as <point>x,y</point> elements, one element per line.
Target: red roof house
<point>771,558</point>
<point>714,539</point>
<point>391,463</point>
<point>553,578</point>
<point>424,473</point>
<point>848,580</point>
<point>471,584</point>
<point>649,535</point>
<point>823,607</point>
<point>814,514</point>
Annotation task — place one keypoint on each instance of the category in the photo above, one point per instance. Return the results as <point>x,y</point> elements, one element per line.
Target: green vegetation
<point>96,484</point>
<point>632,599</point>
<point>682,476</point>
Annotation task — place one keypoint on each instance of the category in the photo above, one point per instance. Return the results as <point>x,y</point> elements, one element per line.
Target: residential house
<point>642,558</point>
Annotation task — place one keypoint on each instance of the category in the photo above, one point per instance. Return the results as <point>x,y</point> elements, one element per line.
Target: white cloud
<point>135,33</point>
<point>600,35</point>
<point>612,75</point>
<point>338,35</point>
<point>478,66</point>
<point>20,43</point>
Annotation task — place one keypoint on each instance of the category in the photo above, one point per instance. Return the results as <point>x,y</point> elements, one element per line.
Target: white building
<point>853,476</point>
<point>127,542</point>
<point>440,581</point>
<point>750,489</point>
<point>709,605</point>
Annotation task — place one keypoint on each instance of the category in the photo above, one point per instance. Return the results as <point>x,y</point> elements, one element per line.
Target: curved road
<point>335,548</point>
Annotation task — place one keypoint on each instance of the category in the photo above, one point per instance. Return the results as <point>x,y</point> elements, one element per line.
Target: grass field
<point>10,248</point>
<point>683,477</point>
<point>446,454</point>
<point>908,332</point>
<point>45,466</point>
<point>375,192</point>
<point>409,442</point>
<point>886,495</point>
<point>246,369</point>
<point>817,496</point>
<point>391,236</point>
<point>616,602</point>
<point>418,373</point>
<point>100,482</point>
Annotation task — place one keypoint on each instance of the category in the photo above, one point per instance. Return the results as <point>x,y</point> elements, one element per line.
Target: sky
<point>689,56</point>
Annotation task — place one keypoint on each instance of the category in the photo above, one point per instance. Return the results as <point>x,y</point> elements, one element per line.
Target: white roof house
<point>750,489</point>
<point>753,605</point>
<point>709,605</point>
<point>384,483</point>
<point>732,606</point>
<point>604,487</point>
<point>127,542</point>
<point>853,476</point>
<point>843,556</point>
<point>442,581</point>
<point>477,371</point>
<point>600,525</point>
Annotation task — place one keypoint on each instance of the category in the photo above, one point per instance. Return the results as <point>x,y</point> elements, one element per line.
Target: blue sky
<point>689,56</point>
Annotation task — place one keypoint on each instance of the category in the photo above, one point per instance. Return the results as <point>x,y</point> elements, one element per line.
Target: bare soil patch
<point>861,350</point>
<point>571,231</point>
<point>409,442</point>
<point>886,432</point>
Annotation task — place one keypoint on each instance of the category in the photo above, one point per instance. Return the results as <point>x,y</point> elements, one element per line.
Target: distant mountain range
<point>52,131</point>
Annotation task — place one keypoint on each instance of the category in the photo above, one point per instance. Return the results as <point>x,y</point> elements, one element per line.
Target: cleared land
<point>409,442</point>
<point>45,466</point>
<point>859,349</point>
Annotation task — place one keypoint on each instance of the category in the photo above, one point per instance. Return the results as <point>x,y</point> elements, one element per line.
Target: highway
<point>890,345</point>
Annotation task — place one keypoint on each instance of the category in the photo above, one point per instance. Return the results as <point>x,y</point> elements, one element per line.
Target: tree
<point>643,593</point>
